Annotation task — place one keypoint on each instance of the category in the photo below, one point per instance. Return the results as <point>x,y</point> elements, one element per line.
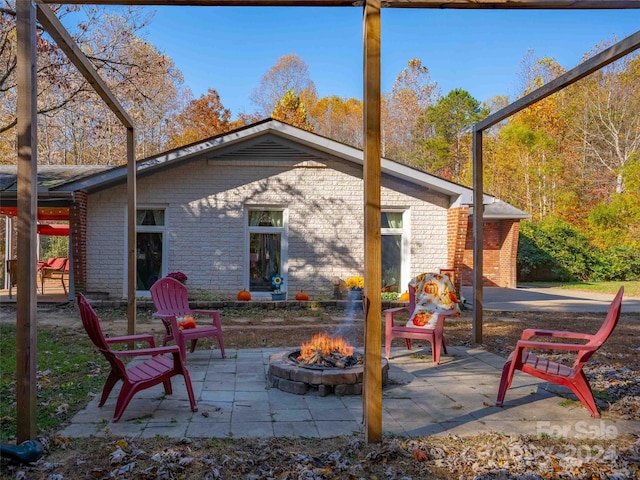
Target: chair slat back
<point>91,324</point>
<point>58,263</point>
<point>605,331</point>
<point>412,299</point>
<point>170,297</point>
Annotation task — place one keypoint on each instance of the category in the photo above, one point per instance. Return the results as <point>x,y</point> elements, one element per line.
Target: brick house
<point>233,210</point>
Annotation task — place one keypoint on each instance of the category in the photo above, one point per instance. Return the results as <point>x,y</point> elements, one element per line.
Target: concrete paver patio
<point>455,397</point>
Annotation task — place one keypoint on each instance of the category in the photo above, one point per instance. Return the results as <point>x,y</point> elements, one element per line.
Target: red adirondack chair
<point>435,335</point>
<point>572,377</point>
<point>159,368</point>
<point>170,298</point>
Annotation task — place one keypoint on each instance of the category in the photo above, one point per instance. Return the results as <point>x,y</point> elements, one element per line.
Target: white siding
<point>205,201</point>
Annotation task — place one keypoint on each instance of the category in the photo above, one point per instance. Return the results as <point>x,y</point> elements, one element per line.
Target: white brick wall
<point>205,222</point>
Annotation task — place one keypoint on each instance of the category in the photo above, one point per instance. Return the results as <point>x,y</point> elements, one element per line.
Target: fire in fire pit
<point>326,351</point>
<point>325,364</point>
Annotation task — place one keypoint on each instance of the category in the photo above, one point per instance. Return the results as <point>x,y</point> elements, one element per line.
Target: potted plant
<point>355,286</point>
<point>277,294</point>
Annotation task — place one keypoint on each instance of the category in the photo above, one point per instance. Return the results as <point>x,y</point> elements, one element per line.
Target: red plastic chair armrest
<point>552,346</point>
<point>207,312</point>
<point>133,338</point>
<point>532,332</point>
<point>388,314</point>
<point>147,351</point>
<point>395,310</point>
<point>215,316</point>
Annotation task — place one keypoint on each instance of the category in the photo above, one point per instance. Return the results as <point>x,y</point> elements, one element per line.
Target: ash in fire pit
<point>326,365</point>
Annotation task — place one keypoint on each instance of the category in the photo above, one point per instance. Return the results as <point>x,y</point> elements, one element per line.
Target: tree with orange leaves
<point>202,118</point>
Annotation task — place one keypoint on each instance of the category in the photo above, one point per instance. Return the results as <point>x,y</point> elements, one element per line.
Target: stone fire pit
<point>286,374</point>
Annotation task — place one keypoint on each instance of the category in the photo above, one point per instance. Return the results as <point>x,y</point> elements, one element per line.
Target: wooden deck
<point>54,293</point>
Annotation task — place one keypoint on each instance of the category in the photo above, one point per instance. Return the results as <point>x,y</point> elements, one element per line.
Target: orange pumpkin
<point>404,297</point>
<point>186,322</point>
<point>421,318</point>
<point>302,296</point>
<point>244,296</point>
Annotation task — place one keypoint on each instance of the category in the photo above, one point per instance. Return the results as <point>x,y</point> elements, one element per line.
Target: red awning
<point>53,230</point>
<point>50,213</point>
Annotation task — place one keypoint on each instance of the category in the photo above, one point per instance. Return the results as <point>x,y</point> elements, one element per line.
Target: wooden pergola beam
<point>63,39</point>
<point>457,4</point>
<point>602,59</point>
<point>591,65</point>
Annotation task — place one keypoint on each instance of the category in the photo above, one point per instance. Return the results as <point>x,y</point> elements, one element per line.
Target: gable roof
<point>275,139</point>
<point>251,135</point>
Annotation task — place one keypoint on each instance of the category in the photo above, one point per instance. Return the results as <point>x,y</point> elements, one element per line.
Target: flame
<point>325,343</point>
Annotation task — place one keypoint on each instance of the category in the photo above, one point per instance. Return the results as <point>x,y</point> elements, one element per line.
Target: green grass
<point>68,368</point>
<point>631,288</point>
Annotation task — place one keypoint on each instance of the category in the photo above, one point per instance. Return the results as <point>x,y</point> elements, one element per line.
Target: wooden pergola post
<point>132,207</point>
<point>372,394</point>
<point>478,230</point>
<point>26,295</point>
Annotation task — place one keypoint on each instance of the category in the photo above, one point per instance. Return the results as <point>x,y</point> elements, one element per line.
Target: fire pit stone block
<point>298,388</point>
<point>289,376</point>
<point>339,377</point>
<point>314,377</point>
<point>280,368</point>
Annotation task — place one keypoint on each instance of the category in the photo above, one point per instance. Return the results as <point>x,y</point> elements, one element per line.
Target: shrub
<point>555,250</point>
<point>54,247</point>
<point>623,263</point>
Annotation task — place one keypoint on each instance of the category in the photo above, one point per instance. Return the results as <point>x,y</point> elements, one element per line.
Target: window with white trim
<point>395,251</point>
<point>150,247</point>
<point>266,244</point>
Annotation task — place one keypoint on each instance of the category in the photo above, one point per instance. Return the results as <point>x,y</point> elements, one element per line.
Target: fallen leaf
<point>117,456</point>
<point>420,455</point>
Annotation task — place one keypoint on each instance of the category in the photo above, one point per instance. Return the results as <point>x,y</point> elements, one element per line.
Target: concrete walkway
<point>455,397</point>
<point>525,299</point>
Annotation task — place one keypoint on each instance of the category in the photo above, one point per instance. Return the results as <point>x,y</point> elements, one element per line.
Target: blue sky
<point>229,49</point>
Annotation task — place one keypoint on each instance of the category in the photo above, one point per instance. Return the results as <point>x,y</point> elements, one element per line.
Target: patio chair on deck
<point>159,368</point>
<point>58,268</point>
<point>572,377</point>
<point>431,299</point>
<point>170,298</point>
